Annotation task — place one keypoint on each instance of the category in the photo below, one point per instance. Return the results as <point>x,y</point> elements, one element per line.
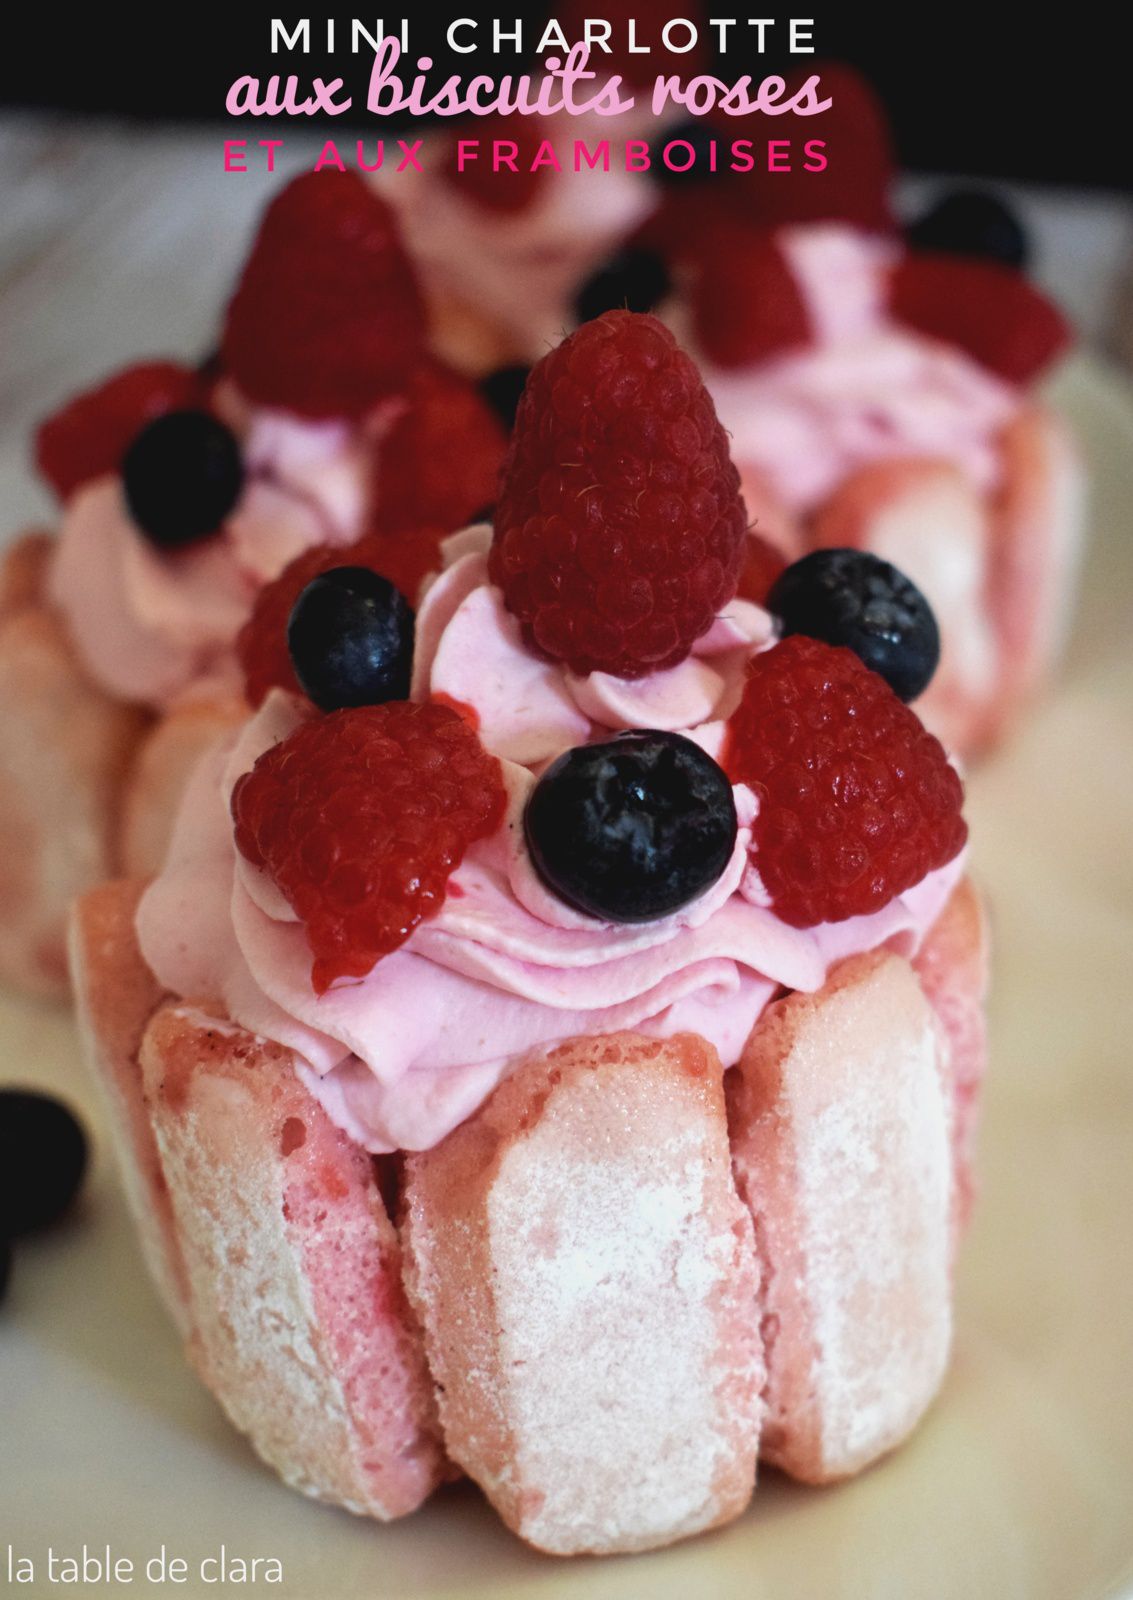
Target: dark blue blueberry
<point>971,222</point>
<point>634,829</point>
<point>43,1155</point>
<point>502,389</point>
<point>852,598</point>
<point>699,135</point>
<point>350,635</point>
<point>633,280</point>
<point>182,476</point>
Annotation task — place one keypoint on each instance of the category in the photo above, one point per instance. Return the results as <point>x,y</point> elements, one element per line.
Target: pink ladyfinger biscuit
<point>160,774</point>
<point>1036,540</point>
<point>840,1145</point>
<point>301,1327</point>
<point>926,518</point>
<point>23,571</point>
<point>953,967</point>
<point>115,996</point>
<point>586,1279</point>
<point>66,746</point>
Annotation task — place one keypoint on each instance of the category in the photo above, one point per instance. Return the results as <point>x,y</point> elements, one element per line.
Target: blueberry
<point>634,829</point>
<point>971,222</point>
<point>43,1155</point>
<point>700,136</point>
<point>502,389</point>
<point>633,280</point>
<point>852,598</point>
<point>182,476</point>
<point>350,635</point>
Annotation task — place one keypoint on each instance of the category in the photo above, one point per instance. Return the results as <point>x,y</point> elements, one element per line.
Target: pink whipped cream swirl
<point>865,388</point>
<point>156,627</point>
<point>404,1055</point>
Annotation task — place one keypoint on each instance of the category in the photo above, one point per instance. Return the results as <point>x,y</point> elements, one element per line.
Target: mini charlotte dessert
<point>880,392</point>
<point>567,1074</point>
<point>182,493</point>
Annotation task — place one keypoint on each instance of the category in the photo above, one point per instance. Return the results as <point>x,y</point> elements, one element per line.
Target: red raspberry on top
<point>327,319</point>
<point>857,801</point>
<point>440,462</point>
<point>360,818</point>
<point>490,183</point>
<point>619,530</point>
<point>405,558</point>
<point>746,304</point>
<point>90,434</point>
<point>987,308</point>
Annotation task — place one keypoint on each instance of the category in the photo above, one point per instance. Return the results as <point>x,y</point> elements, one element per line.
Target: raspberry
<point>360,817</point>
<point>327,318</point>
<point>90,434</point>
<point>619,531</point>
<point>854,186</point>
<point>404,558</point>
<point>746,304</point>
<point>857,802</point>
<point>500,190</point>
<point>440,462</point>
<point>762,565</point>
<point>675,229</point>
<point>988,309</point>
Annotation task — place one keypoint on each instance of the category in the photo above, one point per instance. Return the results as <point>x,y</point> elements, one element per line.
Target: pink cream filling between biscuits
<point>401,1057</point>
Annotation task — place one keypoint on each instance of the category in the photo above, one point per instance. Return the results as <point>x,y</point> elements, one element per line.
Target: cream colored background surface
<point>1020,1484</point>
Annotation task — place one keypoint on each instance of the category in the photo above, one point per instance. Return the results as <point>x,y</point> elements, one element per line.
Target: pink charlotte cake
<point>880,389</point>
<point>550,1050</point>
<point>182,493</point>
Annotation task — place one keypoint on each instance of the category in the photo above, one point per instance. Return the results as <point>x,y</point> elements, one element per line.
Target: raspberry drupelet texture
<point>91,434</point>
<point>405,558</point>
<point>620,529</point>
<point>360,818</point>
<point>857,801</point>
<point>440,461</point>
<point>327,319</point>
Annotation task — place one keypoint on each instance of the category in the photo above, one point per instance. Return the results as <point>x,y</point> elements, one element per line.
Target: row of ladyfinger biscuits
<point>90,784</point>
<point>609,1291</point>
